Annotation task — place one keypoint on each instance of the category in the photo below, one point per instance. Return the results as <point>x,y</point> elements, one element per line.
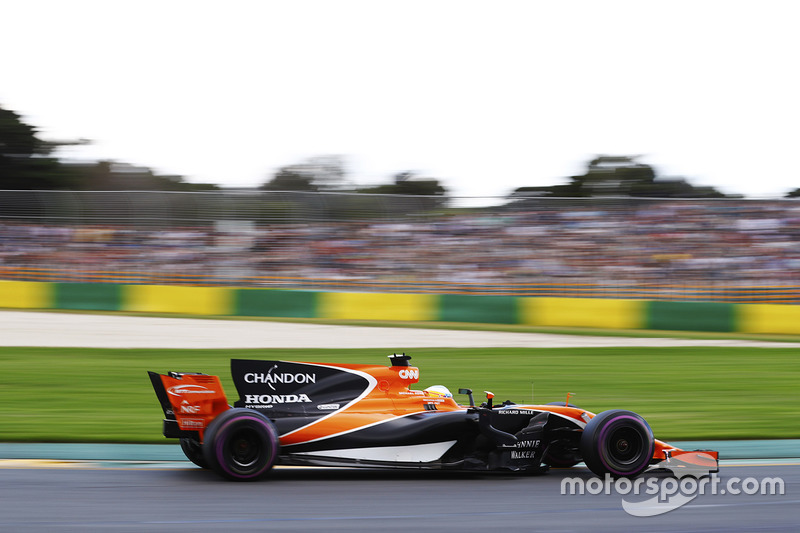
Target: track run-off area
<point>40,494</point>
<point>22,328</point>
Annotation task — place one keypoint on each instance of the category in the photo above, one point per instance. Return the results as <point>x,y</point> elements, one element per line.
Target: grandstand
<point>731,250</point>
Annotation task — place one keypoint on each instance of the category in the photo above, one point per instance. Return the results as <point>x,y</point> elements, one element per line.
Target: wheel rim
<point>245,448</point>
<point>625,446</point>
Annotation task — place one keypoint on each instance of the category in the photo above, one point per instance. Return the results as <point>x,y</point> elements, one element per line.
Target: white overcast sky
<point>486,96</point>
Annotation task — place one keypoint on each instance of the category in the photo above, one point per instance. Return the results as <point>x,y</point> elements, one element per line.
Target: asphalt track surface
<point>38,496</point>
<point>318,499</point>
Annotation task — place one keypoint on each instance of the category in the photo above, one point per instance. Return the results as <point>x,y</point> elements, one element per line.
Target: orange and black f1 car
<point>299,413</point>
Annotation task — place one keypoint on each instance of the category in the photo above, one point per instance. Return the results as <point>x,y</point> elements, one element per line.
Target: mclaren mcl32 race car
<point>323,414</point>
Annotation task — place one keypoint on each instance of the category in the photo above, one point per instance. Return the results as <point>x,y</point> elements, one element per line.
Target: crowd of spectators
<point>723,242</point>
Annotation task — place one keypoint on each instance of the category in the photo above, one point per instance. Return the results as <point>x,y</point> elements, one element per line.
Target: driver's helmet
<point>438,391</point>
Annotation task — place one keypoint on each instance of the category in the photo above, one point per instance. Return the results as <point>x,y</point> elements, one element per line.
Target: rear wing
<point>190,402</point>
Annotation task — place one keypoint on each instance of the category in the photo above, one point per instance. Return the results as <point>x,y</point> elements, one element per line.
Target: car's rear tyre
<point>193,451</point>
<point>562,456</point>
<point>241,445</point>
<point>617,442</point>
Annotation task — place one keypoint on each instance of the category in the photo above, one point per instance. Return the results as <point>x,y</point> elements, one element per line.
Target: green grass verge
<point>104,395</point>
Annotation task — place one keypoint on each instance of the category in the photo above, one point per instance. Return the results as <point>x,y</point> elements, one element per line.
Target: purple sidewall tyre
<point>241,445</point>
<point>617,442</point>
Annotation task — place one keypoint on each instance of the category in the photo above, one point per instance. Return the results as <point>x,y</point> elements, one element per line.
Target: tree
<point>319,173</point>
<point>290,179</point>
<point>24,158</point>
<point>427,193</point>
<point>620,176</point>
<point>26,163</point>
<point>17,139</point>
<point>408,183</point>
<point>115,176</point>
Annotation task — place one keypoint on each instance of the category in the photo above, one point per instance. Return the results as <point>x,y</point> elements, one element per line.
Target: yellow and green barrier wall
<point>533,311</point>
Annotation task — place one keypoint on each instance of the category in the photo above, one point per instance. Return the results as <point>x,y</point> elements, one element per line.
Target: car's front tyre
<point>617,442</point>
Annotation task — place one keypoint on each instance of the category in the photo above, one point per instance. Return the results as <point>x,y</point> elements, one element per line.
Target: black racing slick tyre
<point>241,445</point>
<point>193,451</point>
<point>617,442</point>
<point>562,456</point>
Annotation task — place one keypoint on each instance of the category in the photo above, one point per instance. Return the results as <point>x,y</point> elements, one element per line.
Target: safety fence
<point>459,308</point>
